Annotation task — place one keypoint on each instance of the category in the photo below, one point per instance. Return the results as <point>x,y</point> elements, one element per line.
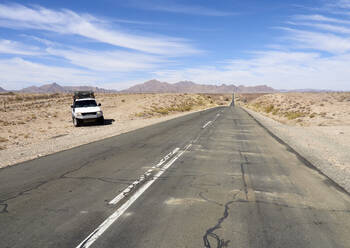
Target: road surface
<point>214,178</point>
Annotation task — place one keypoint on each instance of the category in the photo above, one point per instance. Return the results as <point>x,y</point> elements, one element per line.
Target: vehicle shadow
<point>106,122</point>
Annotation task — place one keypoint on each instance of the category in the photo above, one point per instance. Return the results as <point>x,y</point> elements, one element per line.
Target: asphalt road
<point>210,179</point>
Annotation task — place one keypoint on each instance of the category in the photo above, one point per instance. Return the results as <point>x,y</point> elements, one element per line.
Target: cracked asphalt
<point>236,186</point>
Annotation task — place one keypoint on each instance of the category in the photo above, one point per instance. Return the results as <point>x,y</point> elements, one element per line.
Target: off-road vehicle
<point>85,109</point>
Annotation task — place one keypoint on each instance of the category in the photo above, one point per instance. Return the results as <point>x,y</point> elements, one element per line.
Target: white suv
<point>86,110</point>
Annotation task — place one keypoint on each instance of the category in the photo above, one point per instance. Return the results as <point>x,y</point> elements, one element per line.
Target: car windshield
<point>85,103</point>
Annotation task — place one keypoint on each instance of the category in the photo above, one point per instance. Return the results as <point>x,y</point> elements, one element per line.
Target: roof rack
<point>83,94</point>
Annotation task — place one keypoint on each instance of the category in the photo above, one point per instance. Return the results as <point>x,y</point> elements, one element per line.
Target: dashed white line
<point>87,242</point>
<point>206,124</point>
<point>210,122</point>
<point>127,190</point>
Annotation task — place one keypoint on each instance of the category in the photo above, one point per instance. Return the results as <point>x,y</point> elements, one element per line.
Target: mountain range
<point>155,86</point>
<point>56,88</point>
<point>152,86</point>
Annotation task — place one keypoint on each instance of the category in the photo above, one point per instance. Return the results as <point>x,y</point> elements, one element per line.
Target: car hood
<point>87,109</point>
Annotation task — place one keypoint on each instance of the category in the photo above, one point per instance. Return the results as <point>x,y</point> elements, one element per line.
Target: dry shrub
<point>275,111</point>
<point>293,115</point>
<point>313,115</point>
<point>269,108</point>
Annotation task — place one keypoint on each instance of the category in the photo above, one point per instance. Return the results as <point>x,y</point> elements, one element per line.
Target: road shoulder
<point>326,151</point>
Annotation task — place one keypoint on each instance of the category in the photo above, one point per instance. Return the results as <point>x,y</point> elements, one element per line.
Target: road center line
<point>87,242</point>
<point>210,122</point>
<point>206,124</point>
<point>128,189</point>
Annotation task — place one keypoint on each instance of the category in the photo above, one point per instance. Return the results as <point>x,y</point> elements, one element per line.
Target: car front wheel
<point>101,120</point>
<point>76,122</point>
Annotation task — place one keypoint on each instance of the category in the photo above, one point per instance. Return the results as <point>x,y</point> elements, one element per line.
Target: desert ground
<point>45,119</point>
<point>302,109</point>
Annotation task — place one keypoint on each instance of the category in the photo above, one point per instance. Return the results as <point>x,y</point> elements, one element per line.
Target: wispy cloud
<point>288,70</point>
<point>34,72</point>
<point>173,7</point>
<point>326,27</point>
<point>13,47</point>
<point>126,52</point>
<point>314,49</point>
<point>326,42</point>
<point>342,4</point>
<point>115,61</point>
<point>321,18</point>
<point>91,27</point>
<point>320,32</point>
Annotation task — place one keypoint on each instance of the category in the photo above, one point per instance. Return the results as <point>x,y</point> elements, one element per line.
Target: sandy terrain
<point>33,125</point>
<point>316,125</point>
<point>303,109</point>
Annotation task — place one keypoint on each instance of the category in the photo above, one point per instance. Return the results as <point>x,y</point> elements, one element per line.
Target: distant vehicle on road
<point>85,109</point>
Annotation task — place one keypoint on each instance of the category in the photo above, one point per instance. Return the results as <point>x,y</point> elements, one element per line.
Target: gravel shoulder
<point>326,147</point>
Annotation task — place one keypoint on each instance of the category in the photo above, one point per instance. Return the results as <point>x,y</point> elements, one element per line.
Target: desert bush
<point>160,110</point>
<point>313,115</point>
<point>7,93</point>
<point>269,108</point>
<point>200,102</point>
<point>275,111</point>
<point>293,115</point>
<point>19,98</point>
<point>5,123</point>
<point>141,114</point>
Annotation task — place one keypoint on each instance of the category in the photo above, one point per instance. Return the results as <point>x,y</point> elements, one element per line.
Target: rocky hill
<point>56,88</point>
<point>155,86</point>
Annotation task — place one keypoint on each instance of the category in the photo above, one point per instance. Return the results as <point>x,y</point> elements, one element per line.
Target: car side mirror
<point>99,104</point>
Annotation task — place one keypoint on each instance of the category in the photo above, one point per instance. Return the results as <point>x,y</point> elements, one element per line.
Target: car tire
<point>101,120</point>
<point>76,122</point>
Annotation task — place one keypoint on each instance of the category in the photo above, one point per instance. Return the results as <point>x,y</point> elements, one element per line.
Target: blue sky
<point>116,44</point>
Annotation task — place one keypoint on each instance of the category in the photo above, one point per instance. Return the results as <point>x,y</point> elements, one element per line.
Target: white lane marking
<point>127,190</point>
<point>210,122</point>
<point>111,219</point>
<point>206,124</point>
